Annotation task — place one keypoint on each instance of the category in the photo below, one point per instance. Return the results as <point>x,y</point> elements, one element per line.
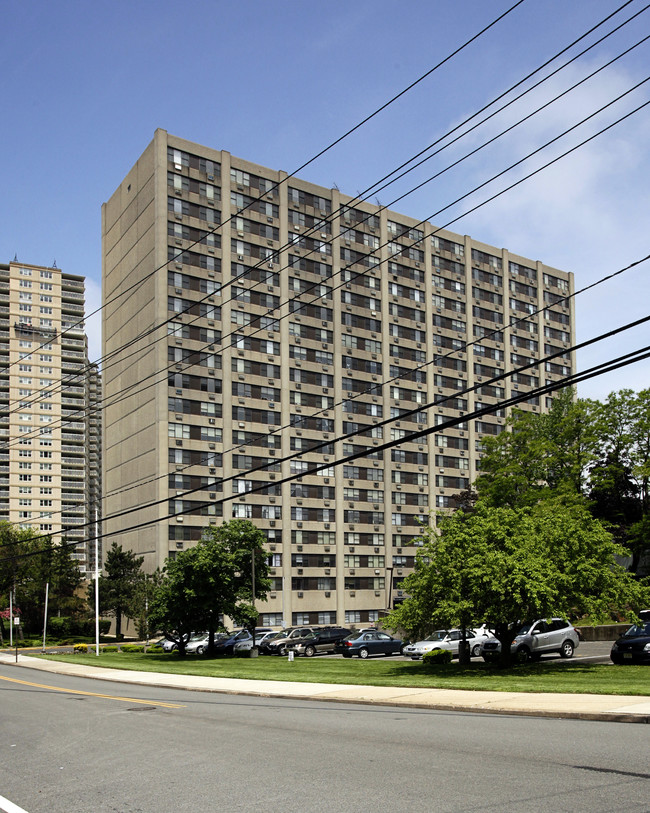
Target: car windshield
<point>438,635</point>
<point>354,637</point>
<point>638,631</point>
<point>525,629</point>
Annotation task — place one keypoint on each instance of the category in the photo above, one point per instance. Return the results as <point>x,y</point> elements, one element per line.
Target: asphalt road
<point>118,748</point>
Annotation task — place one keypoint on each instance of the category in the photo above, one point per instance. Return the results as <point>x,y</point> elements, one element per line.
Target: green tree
<point>212,580</point>
<point>619,478</point>
<point>503,565</point>
<point>29,562</point>
<point>118,589</point>
<point>539,451</point>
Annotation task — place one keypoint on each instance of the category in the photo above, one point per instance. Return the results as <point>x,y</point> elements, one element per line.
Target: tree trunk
<point>464,656</point>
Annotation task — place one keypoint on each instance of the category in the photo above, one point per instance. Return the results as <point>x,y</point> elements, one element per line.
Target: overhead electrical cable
<point>600,369</point>
<point>525,178</point>
<point>373,187</point>
<point>331,217</point>
<point>459,199</point>
<point>322,152</point>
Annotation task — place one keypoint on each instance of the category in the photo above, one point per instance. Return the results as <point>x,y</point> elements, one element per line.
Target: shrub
<point>81,647</point>
<point>436,657</point>
<point>132,648</point>
<point>64,627</point>
<point>109,649</point>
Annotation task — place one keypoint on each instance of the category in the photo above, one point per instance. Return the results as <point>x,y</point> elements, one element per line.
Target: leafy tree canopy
<point>508,564</point>
<point>538,452</point>
<point>212,580</point>
<point>29,562</point>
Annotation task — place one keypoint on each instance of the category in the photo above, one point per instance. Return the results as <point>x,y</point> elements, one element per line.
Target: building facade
<point>50,424</point>
<point>250,317</point>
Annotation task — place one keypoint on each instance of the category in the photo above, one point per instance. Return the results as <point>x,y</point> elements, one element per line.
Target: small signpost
<point>16,624</point>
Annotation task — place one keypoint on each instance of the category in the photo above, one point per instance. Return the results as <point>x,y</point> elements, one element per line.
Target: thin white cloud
<point>585,214</point>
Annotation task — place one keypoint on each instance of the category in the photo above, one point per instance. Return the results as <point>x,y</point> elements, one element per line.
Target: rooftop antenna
<point>15,258</point>
<point>54,263</point>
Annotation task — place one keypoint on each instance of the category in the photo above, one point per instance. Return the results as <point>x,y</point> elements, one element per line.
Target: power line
<point>485,183</point>
<point>476,188</point>
<point>331,216</point>
<point>601,369</point>
<point>549,163</point>
<point>372,187</point>
<point>316,156</point>
<point>402,416</point>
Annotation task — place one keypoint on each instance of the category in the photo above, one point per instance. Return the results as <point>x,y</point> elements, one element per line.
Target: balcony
<point>22,327</point>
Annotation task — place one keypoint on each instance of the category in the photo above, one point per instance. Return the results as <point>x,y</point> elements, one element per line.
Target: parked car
<point>633,646</point>
<point>535,639</point>
<point>227,645</point>
<point>320,641</point>
<point>446,639</point>
<point>278,645</point>
<point>168,646</point>
<point>247,644</point>
<point>370,642</point>
<point>199,643</point>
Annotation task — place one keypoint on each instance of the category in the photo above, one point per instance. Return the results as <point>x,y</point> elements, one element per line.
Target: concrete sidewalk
<point>615,708</point>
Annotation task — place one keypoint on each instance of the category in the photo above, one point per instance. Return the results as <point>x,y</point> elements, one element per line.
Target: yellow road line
<point>94,694</point>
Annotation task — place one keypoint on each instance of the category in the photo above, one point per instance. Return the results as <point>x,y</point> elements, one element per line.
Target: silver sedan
<point>446,639</point>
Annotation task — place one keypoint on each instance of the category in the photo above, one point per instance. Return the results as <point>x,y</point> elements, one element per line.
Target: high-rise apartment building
<point>249,316</point>
<point>50,427</point>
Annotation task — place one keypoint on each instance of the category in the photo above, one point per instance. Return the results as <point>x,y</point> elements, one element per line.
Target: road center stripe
<point>92,694</point>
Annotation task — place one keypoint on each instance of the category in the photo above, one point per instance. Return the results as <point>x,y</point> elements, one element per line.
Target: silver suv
<point>535,639</point>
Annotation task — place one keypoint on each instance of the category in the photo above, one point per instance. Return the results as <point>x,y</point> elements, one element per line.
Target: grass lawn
<point>575,678</point>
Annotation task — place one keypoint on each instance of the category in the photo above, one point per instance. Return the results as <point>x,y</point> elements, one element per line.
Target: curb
<point>604,716</point>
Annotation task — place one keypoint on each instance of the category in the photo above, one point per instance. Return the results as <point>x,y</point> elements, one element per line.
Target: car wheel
<point>476,650</point>
<point>200,650</point>
<point>523,654</point>
<point>567,649</point>
<point>363,653</point>
<point>309,651</point>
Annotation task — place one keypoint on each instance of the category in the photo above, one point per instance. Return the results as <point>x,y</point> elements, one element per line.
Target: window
<point>353,616</point>
<point>179,431</point>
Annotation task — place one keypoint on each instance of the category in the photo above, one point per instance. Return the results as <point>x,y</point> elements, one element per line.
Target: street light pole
<point>96,587</point>
<point>253,591</point>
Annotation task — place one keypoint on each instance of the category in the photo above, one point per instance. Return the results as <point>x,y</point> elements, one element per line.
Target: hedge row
<point>64,627</point>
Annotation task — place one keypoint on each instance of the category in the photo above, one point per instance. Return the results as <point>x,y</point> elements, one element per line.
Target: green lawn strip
<point>571,678</point>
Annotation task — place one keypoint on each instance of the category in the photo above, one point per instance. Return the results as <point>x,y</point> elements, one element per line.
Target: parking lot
<point>590,651</point>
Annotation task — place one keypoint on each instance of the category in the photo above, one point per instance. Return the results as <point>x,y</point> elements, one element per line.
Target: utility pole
<point>253,592</point>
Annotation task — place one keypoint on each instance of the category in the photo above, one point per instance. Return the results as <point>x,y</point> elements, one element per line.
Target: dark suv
<point>278,645</point>
<point>321,640</point>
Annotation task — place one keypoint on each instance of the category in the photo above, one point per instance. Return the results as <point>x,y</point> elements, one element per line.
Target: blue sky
<point>84,86</point>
